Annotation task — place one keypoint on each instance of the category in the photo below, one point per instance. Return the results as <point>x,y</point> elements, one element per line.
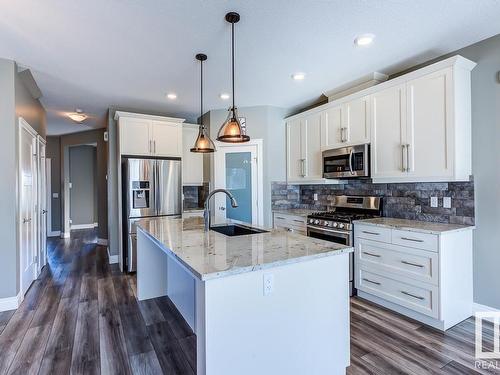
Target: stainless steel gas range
<point>336,224</point>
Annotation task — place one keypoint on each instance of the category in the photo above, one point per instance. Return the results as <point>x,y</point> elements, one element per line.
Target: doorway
<point>238,169</point>
<point>82,186</point>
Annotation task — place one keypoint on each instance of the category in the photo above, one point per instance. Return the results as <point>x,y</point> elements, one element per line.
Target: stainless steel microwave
<point>347,162</point>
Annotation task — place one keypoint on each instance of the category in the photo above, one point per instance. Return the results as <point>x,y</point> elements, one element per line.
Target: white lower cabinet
<point>425,276</point>
<point>293,223</point>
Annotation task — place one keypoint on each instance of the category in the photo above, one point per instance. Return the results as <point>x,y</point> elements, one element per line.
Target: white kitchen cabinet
<point>145,135</point>
<point>388,132</point>
<point>311,147</point>
<point>192,162</point>
<point>356,129</point>
<point>425,274</point>
<point>135,136</point>
<point>295,162</point>
<point>166,139</point>
<point>332,128</point>
<point>430,128</point>
<point>421,128</point>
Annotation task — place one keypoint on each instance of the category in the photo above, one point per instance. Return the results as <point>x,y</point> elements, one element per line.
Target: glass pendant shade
<point>231,130</point>
<point>203,142</point>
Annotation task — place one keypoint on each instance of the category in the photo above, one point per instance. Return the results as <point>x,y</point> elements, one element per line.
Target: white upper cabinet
<point>311,147</point>
<point>166,138</point>
<point>135,136</point>
<point>388,132</point>
<point>356,129</point>
<point>145,135</point>
<point>294,160</point>
<point>430,128</point>
<point>418,125</point>
<point>192,162</point>
<point>332,128</point>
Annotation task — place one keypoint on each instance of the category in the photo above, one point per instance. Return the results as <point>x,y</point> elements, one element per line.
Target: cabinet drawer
<point>290,222</point>
<point>423,299</point>
<point>417,240</point>
<point>374,233</point>
<point>398,260</point>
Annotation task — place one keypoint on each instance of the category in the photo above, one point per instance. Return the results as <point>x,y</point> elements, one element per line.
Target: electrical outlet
<point>55,195</point>
<point>268,283</point>
<point>434,201</point>
<point>315,196</point>
<point>447,202</point>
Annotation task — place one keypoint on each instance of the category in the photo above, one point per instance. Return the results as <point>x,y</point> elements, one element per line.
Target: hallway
<point>81,316</point>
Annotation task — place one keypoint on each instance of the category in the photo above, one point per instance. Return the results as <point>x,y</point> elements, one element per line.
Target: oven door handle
<point>345,233</point>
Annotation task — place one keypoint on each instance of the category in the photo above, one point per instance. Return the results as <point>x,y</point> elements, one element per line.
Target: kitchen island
<point>266,303</point>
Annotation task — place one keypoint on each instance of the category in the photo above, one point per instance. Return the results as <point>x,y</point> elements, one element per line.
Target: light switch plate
<point>55,195</point>
<point>447,202</point>
<point>434,201</point>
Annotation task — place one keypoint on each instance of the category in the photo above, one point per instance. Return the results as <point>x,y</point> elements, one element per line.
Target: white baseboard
<point>84,226</point>
<point>112,258</point>
<point>65,234</point>
<point>55,233</point>
<point>11,303</point>
<point>102,241</point>
<point>483,308</point>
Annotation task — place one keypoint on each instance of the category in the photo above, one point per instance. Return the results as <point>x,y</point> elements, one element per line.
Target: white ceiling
<point>92,54</point>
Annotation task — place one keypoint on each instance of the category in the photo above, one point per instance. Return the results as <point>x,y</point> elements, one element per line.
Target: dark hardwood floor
<point>81,317</point>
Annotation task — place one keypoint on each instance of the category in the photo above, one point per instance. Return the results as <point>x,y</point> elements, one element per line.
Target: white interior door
<point>27,211</point>
<point>42,204</point>
<point>238,169</point>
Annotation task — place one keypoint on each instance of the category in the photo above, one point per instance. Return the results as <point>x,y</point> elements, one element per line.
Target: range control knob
<point>328,223</point>
<point>341,226</point>
<point>316,222</point>
<point>335,225</point>
<point>311,221</point>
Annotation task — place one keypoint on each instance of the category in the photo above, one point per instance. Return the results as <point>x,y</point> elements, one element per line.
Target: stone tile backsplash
<point>194,196</point>
<point>402,200</point>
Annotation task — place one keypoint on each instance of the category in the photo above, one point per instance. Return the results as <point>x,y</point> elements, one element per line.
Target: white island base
<point>300,327</point>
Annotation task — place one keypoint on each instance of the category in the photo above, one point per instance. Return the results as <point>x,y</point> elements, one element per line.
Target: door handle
<point>222,208</point>
<point>371,254</point>
<point>341,134</point>
<point>303,167</point>
<point>412,264</point>
<point>407,157</point>
<point>44,212</point>
<point>154,147</point>
<point>403,167</point>
<point>373,282</point>
<point>351,154</point>
<point>412,295</point>
<point>411,239</point>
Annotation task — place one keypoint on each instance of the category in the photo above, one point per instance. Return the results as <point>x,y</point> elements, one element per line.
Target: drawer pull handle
<point>374,233</point>
<point>371,254</point>
<point>412,264</point>
<point>411,239</point>
<point>373,282</point>
<point>298,221</point>
<point>279,217</point>
<point>412,295</point>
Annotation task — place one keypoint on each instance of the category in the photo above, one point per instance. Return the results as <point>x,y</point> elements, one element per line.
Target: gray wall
<point>85,138</point>
<point>485,167</point>
<point>54,153</point>
<point>264,122</point>
<point>83,184</point>
<point>15,101</point>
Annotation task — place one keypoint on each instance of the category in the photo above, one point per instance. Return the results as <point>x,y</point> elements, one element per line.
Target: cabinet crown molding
<point>119,114</point>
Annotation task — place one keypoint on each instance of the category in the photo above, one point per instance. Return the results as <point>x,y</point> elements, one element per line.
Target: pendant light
<point>203,142</point>
<point>231,130</point>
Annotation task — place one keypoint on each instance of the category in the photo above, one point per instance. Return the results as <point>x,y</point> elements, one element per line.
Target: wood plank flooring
<point>81,317</point>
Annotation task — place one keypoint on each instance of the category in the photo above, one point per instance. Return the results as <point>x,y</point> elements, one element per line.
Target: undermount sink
<point>236,230</point>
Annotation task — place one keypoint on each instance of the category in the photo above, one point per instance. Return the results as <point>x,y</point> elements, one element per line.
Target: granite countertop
<point>414,225</point>
<point>213,255</point>
<point>294,211</point>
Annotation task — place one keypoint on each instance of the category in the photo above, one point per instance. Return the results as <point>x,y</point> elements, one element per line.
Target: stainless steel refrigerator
<point>151,188</point>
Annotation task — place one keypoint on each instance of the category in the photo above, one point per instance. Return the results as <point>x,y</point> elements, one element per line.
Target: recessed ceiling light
<point>298,76</point>
<point>172,96</point>
<point>77,116</point>
<point>224,96</point>
<point>364,39</point>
